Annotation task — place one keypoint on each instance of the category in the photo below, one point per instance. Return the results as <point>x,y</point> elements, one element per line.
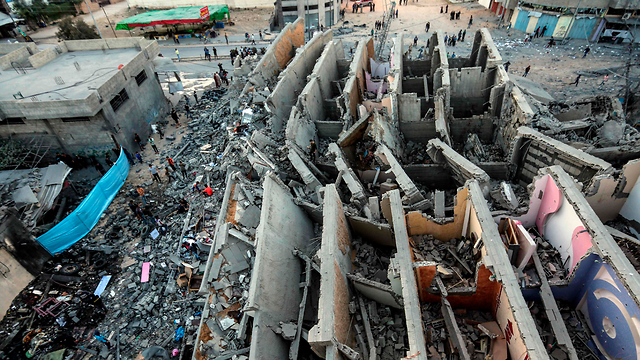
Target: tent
<point>181,15</point>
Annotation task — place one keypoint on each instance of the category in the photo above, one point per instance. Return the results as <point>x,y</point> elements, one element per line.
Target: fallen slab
<point>334,320</point>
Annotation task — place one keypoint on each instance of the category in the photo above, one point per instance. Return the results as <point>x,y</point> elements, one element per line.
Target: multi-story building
<point>80,96</point>
<point>595,20</point>
<point>316,13</point>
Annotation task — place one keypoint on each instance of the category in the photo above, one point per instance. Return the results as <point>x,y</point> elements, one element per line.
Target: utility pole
<point>94,19</point>
<point>109,21</point>
<point>564,36</point>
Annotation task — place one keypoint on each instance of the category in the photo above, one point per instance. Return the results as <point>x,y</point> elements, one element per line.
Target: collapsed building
<point>438,219</point>
<point>413,234</point>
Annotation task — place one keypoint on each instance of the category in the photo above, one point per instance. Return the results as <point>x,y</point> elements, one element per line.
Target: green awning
<point>181,15</point>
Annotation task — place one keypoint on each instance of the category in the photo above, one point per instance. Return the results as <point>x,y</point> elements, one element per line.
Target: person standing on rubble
<point>586,51</point>
<point>138,140</point>
<point>208,191</point>
<point>157,128</point>
<point>171,163</point>
<point>140,191</point>
<point>133,207</point>
<point>139,157</point>
<point>153,144</point>
<point>108,160</point>
<point>140,214</point>
<point>174,116</point>
<point>154,173</point>
<point>187,109</point>
<point>313,150</point>
<point>102,339</point>
<point>506,66</point>
<point>183,170</point>
<point>195,96</point>
<point>168,174</point>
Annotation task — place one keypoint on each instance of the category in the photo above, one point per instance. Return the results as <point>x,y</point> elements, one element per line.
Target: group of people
<point>207,54</point>
<point>379,24</point>
<point>243,52</point>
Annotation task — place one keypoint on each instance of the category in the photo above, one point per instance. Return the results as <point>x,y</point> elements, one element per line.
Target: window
<point>119,99</point>
<point>141,77</point>
<point>11,121</point>
<point>75,119</point>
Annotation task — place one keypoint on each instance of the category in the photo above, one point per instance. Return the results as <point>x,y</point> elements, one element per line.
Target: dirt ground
<point>554,69</point>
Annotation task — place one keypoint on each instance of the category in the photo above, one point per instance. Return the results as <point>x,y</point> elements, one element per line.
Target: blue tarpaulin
<point>78,224</point>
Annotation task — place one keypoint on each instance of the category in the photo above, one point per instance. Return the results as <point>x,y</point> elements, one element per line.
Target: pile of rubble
<point>479,336</point>
<point>379,329</point>
<point>455,258</point>
<point>371,262</point>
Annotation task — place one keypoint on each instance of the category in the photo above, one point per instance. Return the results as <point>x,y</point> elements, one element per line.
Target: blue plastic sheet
<point>78,224</point>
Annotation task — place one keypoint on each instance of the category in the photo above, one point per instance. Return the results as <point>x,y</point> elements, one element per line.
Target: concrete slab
<point>334,321</point>
<point>274,294</point>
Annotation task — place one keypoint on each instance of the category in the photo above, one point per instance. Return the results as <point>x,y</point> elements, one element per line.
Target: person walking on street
<point>446,9</point>
<point>187,109</point>
<point>260,34</point>
<point>178,54</point>
<point>253,39</point>
<point>183,170</point>
<point>171,163</point>
<point>138,140</point>
<point>174,116</point>
<point>577,80</point>
<point>441,9</point>
<point>415,41</point>
<point>460,34</point>
<point>154,173</point>
<point>470,21</point>
<point>586,51</point>
<point>102,339</point>
<point>464,33</point>
<point>604,80</point>
<point>207,55</point>
<point>215,52</point>
<point>526,71</point>
<point>427,27</point>
<point>153,144</point>
<point>226,38</point>
<point>139,157</point>
<point>140,191</point>
<point>458,15</point>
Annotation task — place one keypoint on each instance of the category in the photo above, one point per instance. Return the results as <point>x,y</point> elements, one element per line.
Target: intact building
<point>316,13</point>
<point>81,96</point>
